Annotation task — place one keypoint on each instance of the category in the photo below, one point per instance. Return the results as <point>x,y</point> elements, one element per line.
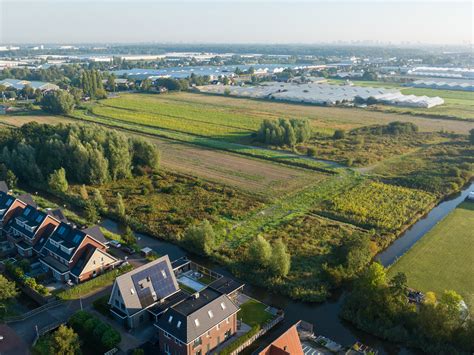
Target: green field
<point>444,258</point>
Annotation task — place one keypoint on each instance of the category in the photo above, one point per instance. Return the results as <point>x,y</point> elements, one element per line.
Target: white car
<point>115,244</point>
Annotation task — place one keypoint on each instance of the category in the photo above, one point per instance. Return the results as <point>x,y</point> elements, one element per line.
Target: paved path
<point>26,329</point>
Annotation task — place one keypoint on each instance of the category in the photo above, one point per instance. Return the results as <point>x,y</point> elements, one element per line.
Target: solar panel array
<point>162,286</point>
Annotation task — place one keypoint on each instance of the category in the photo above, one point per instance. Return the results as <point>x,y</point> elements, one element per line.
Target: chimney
<point>196,295</point>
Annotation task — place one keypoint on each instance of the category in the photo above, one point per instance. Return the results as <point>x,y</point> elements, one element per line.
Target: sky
<point>241,21</point>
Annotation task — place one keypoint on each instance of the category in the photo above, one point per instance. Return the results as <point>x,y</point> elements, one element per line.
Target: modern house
<point>197,324</point>
<point>74,254</point>
<point>28,228</point>
<point>135,292</point>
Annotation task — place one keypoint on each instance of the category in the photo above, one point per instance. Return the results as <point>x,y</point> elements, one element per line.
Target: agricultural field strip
<point>202,115</point>
<point>386,208</point>
<point>266,154</point>
<point>299,203</point>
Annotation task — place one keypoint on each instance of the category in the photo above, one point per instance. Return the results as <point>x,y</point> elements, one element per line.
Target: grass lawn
<point>444,258</point>
<point>253,313</point>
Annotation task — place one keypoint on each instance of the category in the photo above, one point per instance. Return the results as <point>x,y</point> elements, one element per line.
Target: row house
<point>28,228</point>
<point>76,255</point>
<point>68,252</point>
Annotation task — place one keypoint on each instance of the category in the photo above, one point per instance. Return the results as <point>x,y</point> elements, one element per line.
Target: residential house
<point>197,324</point>
<point>28,228</point>
<point>135,292</point>
<point>9,207</point>
<point>73,254</point>
<point>284,343</point>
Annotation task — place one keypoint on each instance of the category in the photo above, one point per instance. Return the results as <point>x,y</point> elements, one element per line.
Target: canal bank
<point>324,316</point>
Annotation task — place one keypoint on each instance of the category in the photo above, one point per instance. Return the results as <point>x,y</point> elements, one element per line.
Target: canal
<point>323,316</point>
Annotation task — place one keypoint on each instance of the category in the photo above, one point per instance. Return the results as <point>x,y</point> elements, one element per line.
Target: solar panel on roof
<point>162,284</point>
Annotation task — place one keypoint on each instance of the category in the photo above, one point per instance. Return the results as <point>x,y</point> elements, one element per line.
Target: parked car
<point>115,244</point>
<point>128,250</point>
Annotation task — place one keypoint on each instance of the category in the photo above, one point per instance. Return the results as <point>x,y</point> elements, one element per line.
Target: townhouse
<point>186,323</point>
<point>74,254</point>
<point>198,324</point>
<point>137,291</point>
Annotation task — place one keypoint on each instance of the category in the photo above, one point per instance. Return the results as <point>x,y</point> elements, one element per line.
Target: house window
<point>227,334</point>
<point>166,335</point>
<point>208,334</point>
<point>197,342</point>
<point>199,352</point>
<point>227,320</point>
<point>167,349</point>
<point>218,327</point>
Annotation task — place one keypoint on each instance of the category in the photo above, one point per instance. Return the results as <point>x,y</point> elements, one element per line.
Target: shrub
<point>90,327</point>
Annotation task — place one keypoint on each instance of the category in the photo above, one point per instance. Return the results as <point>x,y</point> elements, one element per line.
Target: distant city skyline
<point>233,22</point>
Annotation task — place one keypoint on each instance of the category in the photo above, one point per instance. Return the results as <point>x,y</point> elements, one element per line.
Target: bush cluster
<point>103,336</point>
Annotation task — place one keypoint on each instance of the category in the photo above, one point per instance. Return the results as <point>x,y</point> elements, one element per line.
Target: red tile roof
<point>286,344</point>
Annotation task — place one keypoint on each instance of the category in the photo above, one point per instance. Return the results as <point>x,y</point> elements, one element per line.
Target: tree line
<point>379,305</point>
<point>283,132</point>
<point>88,154</point>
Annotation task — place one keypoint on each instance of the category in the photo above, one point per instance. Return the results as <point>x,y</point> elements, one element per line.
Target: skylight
<point>132,291</point>
<point>39,218</point>
<point>170,319</point>
<point>61,230</point>
<point>196,321</point>
<point>211,315</point>
<point>76,239</point>
<point>27,211</point>
<point>179,324</point>
<point>223,305</point>
<point>163,273</point>
<point>9,202</point>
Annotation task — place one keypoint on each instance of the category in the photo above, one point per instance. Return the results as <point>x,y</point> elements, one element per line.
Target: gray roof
<point>28,199</point>
<point>96,233</point>
<point>146,285</point>
<point>3,186</point>
<point>194,316</point>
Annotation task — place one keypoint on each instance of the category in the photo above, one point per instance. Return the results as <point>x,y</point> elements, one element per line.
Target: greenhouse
<point>466,85</point>
<point>325,94</point>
